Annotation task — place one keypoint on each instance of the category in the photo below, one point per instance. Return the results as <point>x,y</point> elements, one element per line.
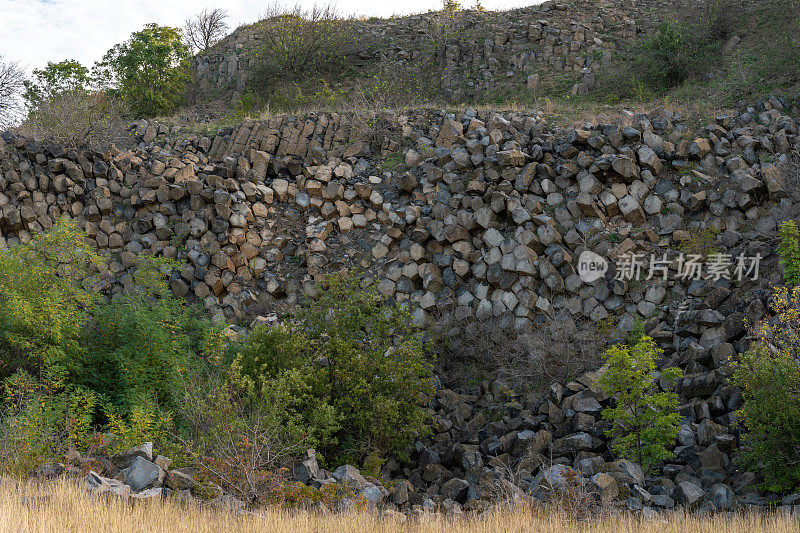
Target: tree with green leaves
<point>56,79</point>
<point>149,71</point>
<point>644,420</point>
<point>789,251</point>
<point>354,363</point>
<point>768,375</point>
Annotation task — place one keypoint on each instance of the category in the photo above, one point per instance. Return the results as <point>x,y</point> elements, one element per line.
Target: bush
<point>78,118</point>
<point>678,51</point>
<point>645,421</point>
<point>557,351</point>
<point>299,44</point>
<point>40,420</point>
<point>769,376</point>
<point>238,438</point>
<point>789,251</point>
<point>360,365</point>
<point>73,363</point>
<point>45,302</point>
<point>139,343</point>
<point>664,57</point>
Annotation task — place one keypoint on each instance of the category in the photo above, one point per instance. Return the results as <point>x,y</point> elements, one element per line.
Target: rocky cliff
<point>474,214</point>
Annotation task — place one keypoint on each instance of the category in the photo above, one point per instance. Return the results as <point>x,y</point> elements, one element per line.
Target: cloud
<point>34,32</point>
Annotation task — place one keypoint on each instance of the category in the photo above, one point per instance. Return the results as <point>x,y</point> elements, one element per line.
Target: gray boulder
<point>143,474</point>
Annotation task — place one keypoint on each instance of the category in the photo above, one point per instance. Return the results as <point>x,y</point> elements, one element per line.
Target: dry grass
<point>63,507</point>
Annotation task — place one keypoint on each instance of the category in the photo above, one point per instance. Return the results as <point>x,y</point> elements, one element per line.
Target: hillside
<point>592,51</point>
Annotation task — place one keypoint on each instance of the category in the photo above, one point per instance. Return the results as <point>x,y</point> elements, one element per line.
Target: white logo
<point>591,266</point>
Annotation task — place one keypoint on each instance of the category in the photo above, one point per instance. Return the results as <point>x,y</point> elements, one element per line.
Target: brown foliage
<point>553,352</point>
<point>78,118</point>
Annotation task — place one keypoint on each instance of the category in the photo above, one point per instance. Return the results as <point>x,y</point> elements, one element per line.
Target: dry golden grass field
<point>64,507</point>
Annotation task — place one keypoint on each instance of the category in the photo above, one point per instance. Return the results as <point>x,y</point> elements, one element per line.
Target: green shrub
<point>358,361</point>
<point>645,421</point>
<point>236,437</point>
<point>678,51</point>
<point>40,420</point>
<point>139,343</point>
<point>664,57</point>
<point>789,251</point>
<point>73,363</point>
<point>45,302</point>
<point>769,376</point>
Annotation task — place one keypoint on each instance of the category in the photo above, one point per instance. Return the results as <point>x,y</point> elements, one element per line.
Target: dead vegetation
<point>78,118</point>
<point>557,351</point>
<point>64,507</point>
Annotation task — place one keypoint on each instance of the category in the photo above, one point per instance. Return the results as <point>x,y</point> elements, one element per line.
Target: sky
<point>33,32</point>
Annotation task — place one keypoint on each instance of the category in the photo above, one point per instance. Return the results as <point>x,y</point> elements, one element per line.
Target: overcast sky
<point>33,32</point>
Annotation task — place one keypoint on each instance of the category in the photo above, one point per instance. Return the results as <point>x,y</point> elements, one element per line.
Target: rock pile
<point>477,214</point>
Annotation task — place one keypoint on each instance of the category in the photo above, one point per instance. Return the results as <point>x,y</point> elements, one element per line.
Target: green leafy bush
<point>645,421</point>
<point>678,51</point>
<point>236,437</point>
<point>355,360</point>
<point>41,419</point>
<point>73,363</point>
<point>789,251</point>
<point>139,343</point>
<point>769,376</point>
<point>45,302</point>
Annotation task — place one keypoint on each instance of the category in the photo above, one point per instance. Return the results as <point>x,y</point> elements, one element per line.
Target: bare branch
<point>205,29</point>
<point>12,78</point>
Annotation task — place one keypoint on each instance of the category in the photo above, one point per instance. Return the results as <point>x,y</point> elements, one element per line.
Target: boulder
<point>143,474</point>
<point>97,484</point>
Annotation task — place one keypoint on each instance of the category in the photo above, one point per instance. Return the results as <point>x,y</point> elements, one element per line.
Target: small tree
<point>205,29</point>
<point>11,83</point>
<point>789,251</point>
<point>769,376</point>
<point>149,71</point>
<point>645,421</point>
<point>76,118</point>
<point>55,79</point>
